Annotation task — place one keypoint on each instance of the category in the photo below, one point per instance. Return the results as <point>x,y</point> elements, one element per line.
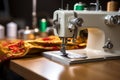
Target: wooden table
<point>41,68</point>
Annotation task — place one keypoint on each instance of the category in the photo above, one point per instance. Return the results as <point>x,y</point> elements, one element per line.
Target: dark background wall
<point>22,9</point>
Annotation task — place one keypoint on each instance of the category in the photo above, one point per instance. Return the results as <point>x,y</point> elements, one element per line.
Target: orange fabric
<point>18,48</point>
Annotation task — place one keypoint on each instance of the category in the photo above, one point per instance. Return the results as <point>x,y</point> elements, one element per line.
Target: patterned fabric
<point>10,49</point>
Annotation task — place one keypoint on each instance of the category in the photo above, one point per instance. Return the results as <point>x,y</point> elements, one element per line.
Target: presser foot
<point>74,56</point>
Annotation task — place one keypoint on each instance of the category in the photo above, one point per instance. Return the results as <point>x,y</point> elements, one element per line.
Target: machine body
<point>103,35</point>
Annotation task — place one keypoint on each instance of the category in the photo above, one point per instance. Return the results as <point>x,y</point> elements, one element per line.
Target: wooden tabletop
<point>41,68</point>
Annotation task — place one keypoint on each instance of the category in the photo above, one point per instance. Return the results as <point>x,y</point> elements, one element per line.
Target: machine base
<point>80,56</point>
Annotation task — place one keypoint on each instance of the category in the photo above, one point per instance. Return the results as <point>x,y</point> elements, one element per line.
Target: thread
<point>43,25</point>
<point>11,30</point>
<point>28,34</point>
<point>112,6</point>
<point>79,6</point>
<point>2,32</point>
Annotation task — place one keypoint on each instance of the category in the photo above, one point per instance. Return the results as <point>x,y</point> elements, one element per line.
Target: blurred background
<point>20,11</point>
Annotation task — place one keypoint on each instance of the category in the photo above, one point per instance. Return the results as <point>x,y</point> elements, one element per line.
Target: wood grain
<point>40,68</point>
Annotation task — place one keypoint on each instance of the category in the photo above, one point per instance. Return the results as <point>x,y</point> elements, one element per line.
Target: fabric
<point>10,49</point>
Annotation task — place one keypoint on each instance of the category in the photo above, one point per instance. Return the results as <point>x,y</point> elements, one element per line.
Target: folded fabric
<point>12,49</point>
<point>19,48</point>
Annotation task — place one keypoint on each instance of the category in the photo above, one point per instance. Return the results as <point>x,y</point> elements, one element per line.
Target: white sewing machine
<point>103,35</point>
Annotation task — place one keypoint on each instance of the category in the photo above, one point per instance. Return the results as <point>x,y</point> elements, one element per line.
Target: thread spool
<point>79,6</point>
<point>28,34</point>
<point>43,25</point>
<point>2,32</point>
<point>11,30</point>
<point>112,6</point>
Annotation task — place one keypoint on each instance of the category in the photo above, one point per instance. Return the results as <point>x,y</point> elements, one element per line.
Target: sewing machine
<point>103,36</point>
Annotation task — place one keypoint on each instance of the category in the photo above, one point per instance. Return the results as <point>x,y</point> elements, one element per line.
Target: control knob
<point>112,20</point>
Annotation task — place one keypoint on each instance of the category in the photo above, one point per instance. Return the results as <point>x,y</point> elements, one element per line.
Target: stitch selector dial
<point>112,20</point>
